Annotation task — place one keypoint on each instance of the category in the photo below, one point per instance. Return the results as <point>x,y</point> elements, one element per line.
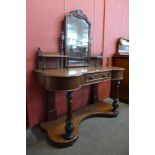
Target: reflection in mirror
<point>77,38</point>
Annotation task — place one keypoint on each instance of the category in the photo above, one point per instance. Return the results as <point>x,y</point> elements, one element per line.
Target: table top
<point>71,72</point>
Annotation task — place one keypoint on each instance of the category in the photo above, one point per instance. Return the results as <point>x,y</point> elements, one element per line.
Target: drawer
<point>97,77</point>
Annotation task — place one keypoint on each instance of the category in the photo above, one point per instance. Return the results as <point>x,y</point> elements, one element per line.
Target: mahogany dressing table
<point>68,71</point>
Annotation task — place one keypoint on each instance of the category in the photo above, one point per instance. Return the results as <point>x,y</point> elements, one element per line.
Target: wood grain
<point>122,61</point>
<point>56,129</point>
<point>74,78</point>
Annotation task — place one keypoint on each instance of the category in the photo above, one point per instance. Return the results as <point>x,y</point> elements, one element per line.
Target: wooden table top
<point>72,72</point>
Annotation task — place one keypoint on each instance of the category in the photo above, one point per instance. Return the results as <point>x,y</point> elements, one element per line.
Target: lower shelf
<point>56,129</point>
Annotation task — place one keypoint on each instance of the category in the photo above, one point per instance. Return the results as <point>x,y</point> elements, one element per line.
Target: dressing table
<point>68,71</point>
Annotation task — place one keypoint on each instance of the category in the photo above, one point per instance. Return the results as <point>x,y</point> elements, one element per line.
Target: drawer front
<point>97,77</point>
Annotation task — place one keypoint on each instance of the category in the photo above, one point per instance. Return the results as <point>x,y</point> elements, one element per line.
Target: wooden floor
<point>56,129</point>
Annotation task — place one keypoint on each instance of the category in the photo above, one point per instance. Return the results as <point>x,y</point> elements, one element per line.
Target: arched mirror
<point>77,38</point>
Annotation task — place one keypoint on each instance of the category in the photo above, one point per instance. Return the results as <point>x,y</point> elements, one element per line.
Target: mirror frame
<point>83,61</point>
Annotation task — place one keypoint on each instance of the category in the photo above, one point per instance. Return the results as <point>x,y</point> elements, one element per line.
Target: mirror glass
<point>77,40</point>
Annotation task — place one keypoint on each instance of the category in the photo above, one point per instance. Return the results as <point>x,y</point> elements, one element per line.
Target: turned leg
<point>69,123</point>
<point>116,99</point>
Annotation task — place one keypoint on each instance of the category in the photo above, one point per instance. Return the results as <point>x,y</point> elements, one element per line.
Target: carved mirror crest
<point>77,38</point>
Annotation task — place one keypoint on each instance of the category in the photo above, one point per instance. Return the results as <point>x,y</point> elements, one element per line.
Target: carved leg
<point>69,123</point>
<point>116,99</point>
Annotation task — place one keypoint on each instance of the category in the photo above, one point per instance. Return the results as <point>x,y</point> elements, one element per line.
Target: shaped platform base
<point>56,129</point>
